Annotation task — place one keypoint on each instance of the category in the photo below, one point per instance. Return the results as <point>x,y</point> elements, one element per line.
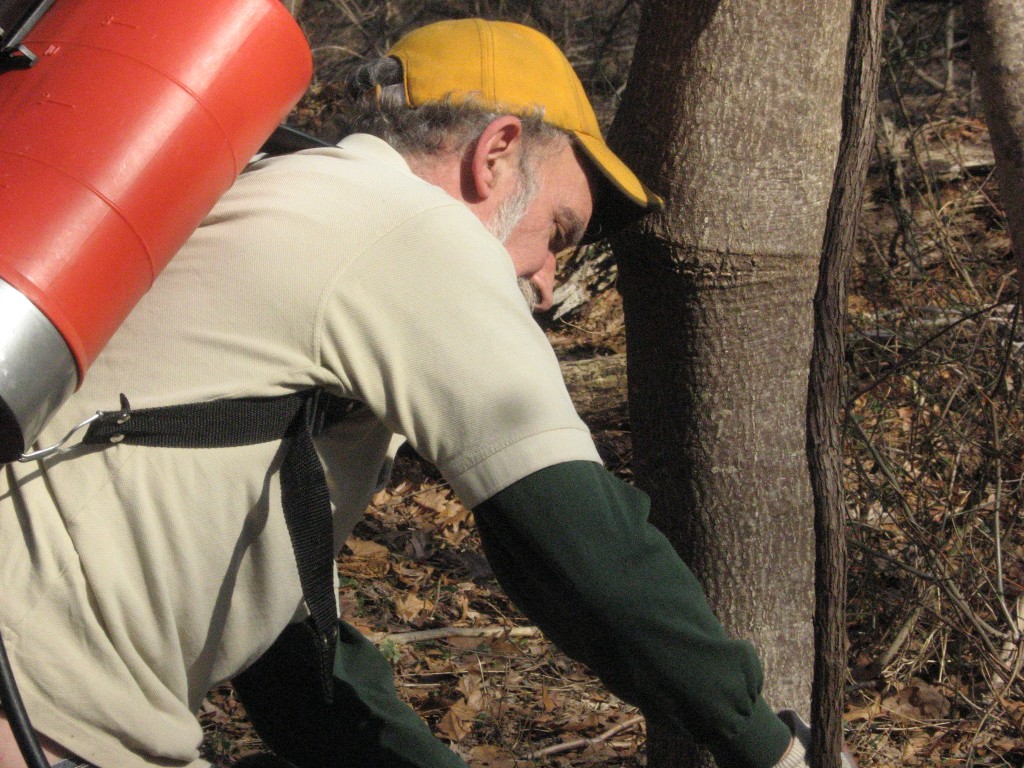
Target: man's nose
<point>544,281</point>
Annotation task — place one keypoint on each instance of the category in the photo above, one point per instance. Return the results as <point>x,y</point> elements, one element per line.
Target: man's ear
<point>491,159</point>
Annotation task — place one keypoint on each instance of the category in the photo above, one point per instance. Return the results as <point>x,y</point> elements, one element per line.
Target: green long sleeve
<point>571,545</point>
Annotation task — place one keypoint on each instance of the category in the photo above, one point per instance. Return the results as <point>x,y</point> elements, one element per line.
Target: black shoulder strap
<point>297,418</point>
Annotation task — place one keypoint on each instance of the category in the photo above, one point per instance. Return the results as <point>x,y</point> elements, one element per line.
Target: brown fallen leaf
<point>917,702</point>
<point>411,608</point>
<point>369,560</point>
<point>457,722</point>
<point>547,699</point>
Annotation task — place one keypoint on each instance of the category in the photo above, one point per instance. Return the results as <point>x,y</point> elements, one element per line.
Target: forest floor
<point>934,461</point>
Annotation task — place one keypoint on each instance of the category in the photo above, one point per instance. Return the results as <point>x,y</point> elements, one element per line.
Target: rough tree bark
<point>996,31</point>
<point>826,394</point>
<point>733,114</point>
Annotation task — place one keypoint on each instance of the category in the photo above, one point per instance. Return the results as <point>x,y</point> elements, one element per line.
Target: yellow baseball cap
<point>515,68</point>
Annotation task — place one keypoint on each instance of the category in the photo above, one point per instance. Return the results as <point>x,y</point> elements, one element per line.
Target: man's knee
<point>365,724</point>
<point>283,696</point>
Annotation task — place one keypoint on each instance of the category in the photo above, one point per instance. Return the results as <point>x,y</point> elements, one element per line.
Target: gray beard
<point>509,213</point>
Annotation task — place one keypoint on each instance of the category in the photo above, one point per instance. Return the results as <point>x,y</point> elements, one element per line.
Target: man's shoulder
<point>357,162</point>
<point>361,175</point>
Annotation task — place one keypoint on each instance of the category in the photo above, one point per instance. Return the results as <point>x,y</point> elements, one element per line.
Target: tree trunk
<point>732,113</point>
<point>996,30</point>
<point>826,387</point>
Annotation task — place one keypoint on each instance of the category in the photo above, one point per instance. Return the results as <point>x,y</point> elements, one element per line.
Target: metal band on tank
<point>37,372</point>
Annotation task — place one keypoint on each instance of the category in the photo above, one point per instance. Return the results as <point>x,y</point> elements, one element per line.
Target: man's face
<point>554,219</point>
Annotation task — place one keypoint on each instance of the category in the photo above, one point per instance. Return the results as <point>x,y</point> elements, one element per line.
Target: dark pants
<point>366,726</point>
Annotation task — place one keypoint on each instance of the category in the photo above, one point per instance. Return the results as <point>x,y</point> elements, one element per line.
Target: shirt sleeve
<point>571,545</point>
<point>428,328</point>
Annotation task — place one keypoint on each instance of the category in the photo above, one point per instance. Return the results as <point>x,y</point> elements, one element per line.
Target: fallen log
<point>597,386</point>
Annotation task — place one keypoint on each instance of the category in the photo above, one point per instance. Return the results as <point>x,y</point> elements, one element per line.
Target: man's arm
<point>571,545</point>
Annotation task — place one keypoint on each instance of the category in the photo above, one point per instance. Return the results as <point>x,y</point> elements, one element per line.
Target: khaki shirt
<point>136,578</point>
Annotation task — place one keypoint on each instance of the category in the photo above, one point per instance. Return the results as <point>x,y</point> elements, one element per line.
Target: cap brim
<point>621,197</point>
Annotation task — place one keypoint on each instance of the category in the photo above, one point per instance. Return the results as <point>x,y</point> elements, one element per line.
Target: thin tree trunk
<point>732,113</point>
<point>826,390</point>
<point>996,30</point>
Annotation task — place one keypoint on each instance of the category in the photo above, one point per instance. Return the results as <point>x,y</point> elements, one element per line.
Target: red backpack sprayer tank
<point>121,123</point>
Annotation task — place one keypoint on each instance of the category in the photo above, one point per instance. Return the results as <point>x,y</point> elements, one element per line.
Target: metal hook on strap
<point>58,447</point>
<point>120,417</point>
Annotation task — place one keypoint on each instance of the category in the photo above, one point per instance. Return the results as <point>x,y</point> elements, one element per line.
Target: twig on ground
<point>440,633</point>
<point>908,60</point>
<point>569,746</point>
<point>910,356</point>
<point>901,637</point>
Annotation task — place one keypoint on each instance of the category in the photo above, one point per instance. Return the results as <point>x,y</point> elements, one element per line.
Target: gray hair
<point>377,89</point>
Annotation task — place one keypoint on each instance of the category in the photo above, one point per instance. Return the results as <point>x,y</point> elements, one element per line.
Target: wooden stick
<point>569,746</point>
<point>443,632</point>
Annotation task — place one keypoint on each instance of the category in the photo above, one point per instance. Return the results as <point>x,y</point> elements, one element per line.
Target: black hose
<point>285,140</point>
<point>14,709</point>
